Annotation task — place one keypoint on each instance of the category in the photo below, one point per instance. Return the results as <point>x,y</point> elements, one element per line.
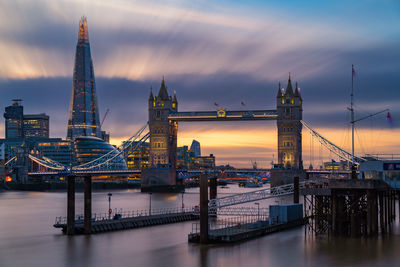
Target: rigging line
<point>360,142</point>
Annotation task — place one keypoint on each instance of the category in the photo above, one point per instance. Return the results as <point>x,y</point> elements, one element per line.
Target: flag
<point>389,120</point>
<point>353,72</point>
<point>215,103</point>
<point>243,104</point>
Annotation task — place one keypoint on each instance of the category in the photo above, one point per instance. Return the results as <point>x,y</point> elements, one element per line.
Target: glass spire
<point>84,112</point>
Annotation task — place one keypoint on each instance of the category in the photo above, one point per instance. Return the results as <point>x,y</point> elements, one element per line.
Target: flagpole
<point>352,113</point>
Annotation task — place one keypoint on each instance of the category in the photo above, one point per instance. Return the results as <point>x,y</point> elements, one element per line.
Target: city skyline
<point>129,57</point>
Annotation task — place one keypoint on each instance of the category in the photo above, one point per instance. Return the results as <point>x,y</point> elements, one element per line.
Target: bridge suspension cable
<point>48,164</point>
<point>343,154</point>
<point>111,156</point>
<point>10,160</point>
<point>127,147</point>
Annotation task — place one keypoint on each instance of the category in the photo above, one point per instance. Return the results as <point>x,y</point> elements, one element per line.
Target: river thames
<point>27,238</point>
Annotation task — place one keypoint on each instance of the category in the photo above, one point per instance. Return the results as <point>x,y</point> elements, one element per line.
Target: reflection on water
<point>27,238</point>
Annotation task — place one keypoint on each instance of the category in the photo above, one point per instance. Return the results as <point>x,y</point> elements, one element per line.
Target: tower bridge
<point>163,129</point>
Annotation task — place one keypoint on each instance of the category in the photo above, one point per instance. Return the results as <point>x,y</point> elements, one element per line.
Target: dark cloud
<point>325,97</point>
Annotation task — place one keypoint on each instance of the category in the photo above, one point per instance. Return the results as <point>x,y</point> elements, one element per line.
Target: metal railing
<point>266,193</point>
<point>233,225</point>
<point>120,214</point>
<point>238,211</point>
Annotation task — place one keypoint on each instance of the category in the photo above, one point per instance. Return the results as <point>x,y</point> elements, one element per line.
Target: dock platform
<point>245,231</point>
<point>130,220</point>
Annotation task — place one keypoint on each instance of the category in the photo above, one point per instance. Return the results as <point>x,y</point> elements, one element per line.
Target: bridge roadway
<point>138,171</point>
<point>224,115</point>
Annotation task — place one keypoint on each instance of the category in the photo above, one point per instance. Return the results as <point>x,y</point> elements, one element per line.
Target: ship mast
<point>352,113</point>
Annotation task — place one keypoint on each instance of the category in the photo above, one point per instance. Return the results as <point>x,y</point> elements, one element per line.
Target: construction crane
<point>104,117</point>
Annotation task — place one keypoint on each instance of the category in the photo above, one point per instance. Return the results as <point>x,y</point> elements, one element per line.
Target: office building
<point>195,147</point>
<point>36,125</point>
<point>84,111</point>
<point>14,120</point>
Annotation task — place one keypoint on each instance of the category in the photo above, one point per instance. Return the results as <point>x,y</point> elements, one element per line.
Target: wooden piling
<point>296,189</point>
<point>334,212</point>
<point>203,208</point>
<point>70,205</point>
<point>213,188</point>
<point>398,196</point>
<point>88,204</point>
<point>381,213</point>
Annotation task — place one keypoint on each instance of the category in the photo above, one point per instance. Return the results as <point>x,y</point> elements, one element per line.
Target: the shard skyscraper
<point>83,112</point>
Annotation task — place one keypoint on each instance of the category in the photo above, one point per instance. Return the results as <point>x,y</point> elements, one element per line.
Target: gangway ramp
<point>271,192</point>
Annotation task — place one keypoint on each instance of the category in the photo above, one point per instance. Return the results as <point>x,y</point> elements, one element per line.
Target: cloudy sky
<point>212,51</point>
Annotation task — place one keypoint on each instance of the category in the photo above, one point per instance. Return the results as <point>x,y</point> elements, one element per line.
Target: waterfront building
<point>105,136</point>
<point>14,117</point>
<point>195,147</point>
<point>20,125</point>
<point>204,162</point>
<point>36,125</point>
<point>84,112</point>
<point>56,149</point>
<point>139,158</point>
<point>89,148</point>
<point>336,165</point>
<point>184,157</point>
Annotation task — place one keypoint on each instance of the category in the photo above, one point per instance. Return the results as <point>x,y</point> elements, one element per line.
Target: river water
<point>27,238</point>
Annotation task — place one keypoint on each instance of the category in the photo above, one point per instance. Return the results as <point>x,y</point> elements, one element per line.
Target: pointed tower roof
<point>297,92</point>
<point>83,35</point>
<point>175,100</point>
<point>151,97</point>
<point>84,119</point>
<point>279,95</point>
<point>163,93</point>
<point>289,89</point>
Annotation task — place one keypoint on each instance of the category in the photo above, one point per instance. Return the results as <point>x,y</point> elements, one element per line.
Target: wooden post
<point>369,212</point>
<point>70,205</point>
<point>203,208</point>
<point>393,205</point>
<point>296,189</point>
<point>398,196</point>
<point>334,212</point>
<point>213,188</point>
<point>88,205</point>
<point>375,213</point>
<point>386,209</point>
<point>381,212</point>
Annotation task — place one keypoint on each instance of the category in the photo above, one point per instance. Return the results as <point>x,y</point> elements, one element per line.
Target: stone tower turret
<point>289,107</point>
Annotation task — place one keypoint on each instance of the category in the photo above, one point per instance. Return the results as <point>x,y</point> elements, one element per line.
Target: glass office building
<point>36,125</point>
<point>83,113</point>
<point>88,148</point>
<point>14,119</point>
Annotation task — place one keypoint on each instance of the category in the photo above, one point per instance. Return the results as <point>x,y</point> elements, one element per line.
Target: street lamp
<point>109,205</point>
<point>150,203</point>
<point>258,210</point>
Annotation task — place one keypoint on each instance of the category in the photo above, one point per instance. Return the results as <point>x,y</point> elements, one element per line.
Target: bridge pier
<point>70,205</point>
<point>213,187</point>
<point>88,204</point>
<point>296,189</point>
<point>203,208</point>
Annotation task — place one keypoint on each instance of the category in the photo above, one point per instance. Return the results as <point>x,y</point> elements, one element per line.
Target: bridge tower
<point>163,142</point>
<point>289,107</point>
